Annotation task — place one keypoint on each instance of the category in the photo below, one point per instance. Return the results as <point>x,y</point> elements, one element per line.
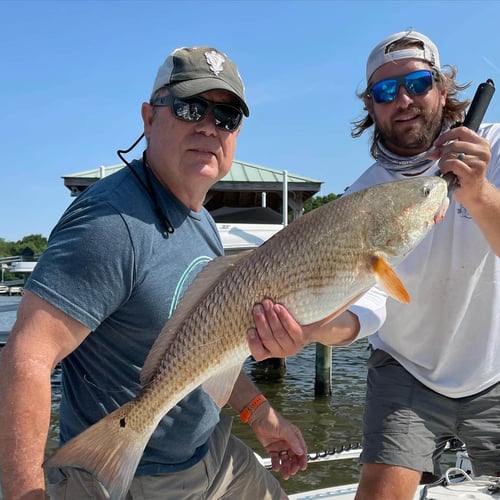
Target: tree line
<point>35,242</point>
<point>317,201</point>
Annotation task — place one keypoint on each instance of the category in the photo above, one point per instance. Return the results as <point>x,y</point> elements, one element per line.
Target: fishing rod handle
<point>479,105</point>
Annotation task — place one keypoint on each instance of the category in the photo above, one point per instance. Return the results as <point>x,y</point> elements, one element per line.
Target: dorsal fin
<point>389,281</point>
<point>201,285</point>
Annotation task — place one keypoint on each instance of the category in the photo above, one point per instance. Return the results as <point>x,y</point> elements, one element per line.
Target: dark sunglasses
<point>416,83</point>
<point>193,109</point>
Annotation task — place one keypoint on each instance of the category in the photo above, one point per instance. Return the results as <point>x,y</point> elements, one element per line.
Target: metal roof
<point>241,176</point>
<point>246,185</point>
<point>248,172</point>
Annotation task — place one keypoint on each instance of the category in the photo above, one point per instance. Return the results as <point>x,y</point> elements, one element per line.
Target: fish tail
<point>110,450</point>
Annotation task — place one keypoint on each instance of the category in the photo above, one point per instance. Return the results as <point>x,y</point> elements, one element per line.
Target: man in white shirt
<point>434,371</point>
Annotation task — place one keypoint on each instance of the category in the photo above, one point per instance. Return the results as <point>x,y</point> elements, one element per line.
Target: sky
<point>74,75</point>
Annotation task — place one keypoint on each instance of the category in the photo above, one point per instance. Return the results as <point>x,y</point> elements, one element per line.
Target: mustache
<point>405,112</point>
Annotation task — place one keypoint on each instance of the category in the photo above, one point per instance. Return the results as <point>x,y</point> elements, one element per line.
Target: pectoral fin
<point>388,280</point>
<point>220,386</point>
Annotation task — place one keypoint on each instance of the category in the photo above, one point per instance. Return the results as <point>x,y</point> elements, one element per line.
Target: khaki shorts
<point>229,470</point>
<point>408,424</point>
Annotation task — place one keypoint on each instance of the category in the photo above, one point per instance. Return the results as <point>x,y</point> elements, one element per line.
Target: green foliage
<point>36,242</point>
<point>317,201</point>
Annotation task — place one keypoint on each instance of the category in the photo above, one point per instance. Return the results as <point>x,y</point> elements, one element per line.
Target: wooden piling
<point>323,380</point>
<point>268,370</point>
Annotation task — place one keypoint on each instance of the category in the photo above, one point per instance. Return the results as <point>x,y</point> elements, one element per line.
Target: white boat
<point>454,485</point>
<point>20,266</point>
<point>237,236</point>
<point>456,482</point>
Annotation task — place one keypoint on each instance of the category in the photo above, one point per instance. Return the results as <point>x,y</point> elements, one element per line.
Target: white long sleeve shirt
<point>448,337</point>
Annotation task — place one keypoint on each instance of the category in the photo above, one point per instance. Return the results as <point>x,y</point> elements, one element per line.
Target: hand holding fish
<point>282,440</point>
<point>277,334</point>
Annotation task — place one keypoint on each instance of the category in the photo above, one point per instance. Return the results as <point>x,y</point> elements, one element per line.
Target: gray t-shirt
<point>109,266</point>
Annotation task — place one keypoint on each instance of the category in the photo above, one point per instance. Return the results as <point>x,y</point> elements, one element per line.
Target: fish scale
<point>317,266</point>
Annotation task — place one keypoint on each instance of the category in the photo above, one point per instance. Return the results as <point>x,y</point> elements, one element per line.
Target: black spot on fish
<point>122,422</point>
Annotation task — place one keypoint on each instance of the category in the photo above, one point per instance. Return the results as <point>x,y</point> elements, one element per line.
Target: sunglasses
<point>416,83</point>
<point>193,109</point>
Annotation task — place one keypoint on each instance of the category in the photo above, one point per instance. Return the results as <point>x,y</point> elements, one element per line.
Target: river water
<point>327,422</point>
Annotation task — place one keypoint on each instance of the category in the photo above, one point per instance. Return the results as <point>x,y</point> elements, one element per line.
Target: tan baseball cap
<point>189,71</point>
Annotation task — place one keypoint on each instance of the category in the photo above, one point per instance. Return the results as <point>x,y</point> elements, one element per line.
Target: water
<point>326,422</point>
<point>8,309</point>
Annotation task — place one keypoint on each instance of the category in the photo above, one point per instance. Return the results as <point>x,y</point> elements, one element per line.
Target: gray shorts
<point>229,470</point>
<point>408,424</point>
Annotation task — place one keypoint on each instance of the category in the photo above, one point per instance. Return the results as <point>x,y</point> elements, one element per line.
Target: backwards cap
<point>191,71</point>
<point>380,55</point>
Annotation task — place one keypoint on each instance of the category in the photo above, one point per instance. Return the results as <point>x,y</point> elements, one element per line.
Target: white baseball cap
<point>381,54</point>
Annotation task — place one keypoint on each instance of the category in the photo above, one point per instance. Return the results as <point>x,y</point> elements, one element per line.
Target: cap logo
<point>215,61</point>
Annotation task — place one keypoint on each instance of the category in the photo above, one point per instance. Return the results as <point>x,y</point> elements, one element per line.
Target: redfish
<point>317,266</point>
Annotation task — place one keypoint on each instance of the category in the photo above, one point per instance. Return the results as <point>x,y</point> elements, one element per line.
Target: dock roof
<point>244,186</point>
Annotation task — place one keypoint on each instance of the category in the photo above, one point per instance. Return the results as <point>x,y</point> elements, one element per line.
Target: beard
<point>413,138</point>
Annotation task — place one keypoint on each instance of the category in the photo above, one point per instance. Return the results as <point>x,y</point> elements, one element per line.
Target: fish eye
<point>426,191</point>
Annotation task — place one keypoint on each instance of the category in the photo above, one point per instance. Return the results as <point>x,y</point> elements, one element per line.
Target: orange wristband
<point>247,412</point>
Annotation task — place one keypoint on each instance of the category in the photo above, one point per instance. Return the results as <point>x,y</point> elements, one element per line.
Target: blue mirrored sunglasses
<point>193,109</point>
<point>416,83</point>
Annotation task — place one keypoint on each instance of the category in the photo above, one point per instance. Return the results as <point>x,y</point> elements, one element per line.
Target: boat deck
<point>479,489</point>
